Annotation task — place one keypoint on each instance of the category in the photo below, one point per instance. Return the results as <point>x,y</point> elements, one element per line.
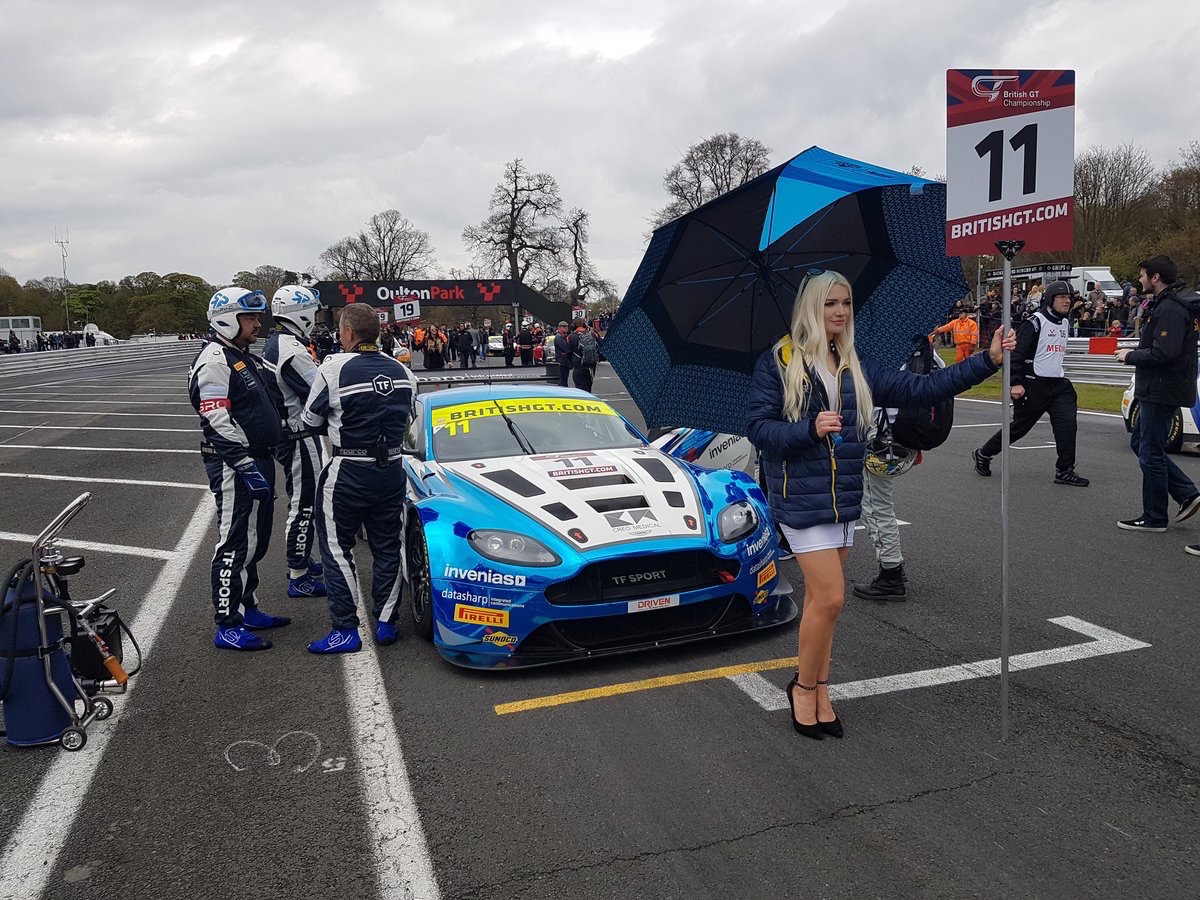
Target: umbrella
<point>716,286</point>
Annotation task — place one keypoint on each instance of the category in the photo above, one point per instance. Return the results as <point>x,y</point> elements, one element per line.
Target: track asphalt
<point>406,771</point>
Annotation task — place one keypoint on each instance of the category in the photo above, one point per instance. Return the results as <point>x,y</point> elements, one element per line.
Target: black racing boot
<point>888,585</point>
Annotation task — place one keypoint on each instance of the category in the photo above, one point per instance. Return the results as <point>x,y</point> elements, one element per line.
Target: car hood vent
<point>608,496</point>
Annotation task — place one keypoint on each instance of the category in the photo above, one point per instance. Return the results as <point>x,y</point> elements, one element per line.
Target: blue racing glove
<point>256,483</point>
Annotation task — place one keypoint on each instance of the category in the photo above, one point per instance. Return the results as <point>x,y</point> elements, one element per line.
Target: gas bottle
<point>32,714</point>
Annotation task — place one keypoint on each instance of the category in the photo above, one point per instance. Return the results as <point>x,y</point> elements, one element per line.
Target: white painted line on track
<point>29,857</point>
<point>402,862</point>
<point>102,428</point>
<point>85,401</point>
<point>1082,412</point>
<point>120,549</point>
<point>1034,447</point>
<point>94,449</point>
<point>80,396</point>
<point>978,425</point>
<point>1102,643</point>
<point>83,479</point>
<point>61,412</point>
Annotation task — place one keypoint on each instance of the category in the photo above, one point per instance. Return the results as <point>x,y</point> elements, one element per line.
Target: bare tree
<point>388,249</point>
<point>585,280</point>
<point>1178,198</point>
<point>521,231</point>
<point>1114,196</point>
<point>708,169</point>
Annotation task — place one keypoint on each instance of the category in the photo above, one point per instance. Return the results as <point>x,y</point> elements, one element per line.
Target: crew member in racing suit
<point>240,424</point>
<point>287,358</point>
<point>365,398</point>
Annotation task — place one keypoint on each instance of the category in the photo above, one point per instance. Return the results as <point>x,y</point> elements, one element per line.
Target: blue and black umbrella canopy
<point>716,286</point>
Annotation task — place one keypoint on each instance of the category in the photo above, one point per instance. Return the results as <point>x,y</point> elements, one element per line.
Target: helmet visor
<point>253,302</point>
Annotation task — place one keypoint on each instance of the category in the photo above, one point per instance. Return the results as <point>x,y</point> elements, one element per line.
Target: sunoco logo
<point>499,638</point>
<point>484,576</point>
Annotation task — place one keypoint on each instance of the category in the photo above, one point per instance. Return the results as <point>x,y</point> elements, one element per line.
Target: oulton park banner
<point>502,294</point>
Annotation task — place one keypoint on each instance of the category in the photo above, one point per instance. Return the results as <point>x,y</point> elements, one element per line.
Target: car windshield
<point>479,429</point>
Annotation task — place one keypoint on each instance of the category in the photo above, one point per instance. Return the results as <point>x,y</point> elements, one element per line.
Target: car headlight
<point>736,521</point>
<point>510,547</point>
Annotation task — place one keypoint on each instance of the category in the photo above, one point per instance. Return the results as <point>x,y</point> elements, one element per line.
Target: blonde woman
<point>804,402</point>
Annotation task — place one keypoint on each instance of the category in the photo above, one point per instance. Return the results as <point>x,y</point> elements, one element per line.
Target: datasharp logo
<point>988,87</point>
<point>474,616</point>
<point>500,639</point>
<point>484,576</point>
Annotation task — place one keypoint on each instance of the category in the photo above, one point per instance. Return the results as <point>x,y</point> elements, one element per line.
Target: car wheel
<point>1175,434</point>
<point>1133,411</point>
<point>420,583</point>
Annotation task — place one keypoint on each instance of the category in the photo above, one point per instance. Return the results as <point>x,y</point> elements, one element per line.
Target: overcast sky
<point>214,137</point>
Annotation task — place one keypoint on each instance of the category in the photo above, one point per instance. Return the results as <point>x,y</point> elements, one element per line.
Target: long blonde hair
<point>807,340</point>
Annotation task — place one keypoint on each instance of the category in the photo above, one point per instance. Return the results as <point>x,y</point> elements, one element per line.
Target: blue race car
<point>541,527</point>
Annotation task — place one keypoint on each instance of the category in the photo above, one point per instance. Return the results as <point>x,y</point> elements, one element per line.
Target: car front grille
<point>652,575</point>
<point>578,637</point>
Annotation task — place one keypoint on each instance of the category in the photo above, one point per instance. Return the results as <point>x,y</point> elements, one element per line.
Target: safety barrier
<point>92,357</point>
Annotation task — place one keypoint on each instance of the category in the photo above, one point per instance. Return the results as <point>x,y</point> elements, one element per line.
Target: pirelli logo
<point>473,615</point>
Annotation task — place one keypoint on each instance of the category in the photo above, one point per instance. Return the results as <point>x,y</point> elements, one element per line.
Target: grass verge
<point>1098,397</point>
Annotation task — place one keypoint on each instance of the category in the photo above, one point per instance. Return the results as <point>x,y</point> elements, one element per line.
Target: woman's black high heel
<point>815,731</point>
<point>833,728</point>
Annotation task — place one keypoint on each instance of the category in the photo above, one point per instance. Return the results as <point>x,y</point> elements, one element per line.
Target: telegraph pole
<point>62,241</point>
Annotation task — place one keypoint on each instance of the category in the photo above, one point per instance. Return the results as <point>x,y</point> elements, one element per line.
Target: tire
<point>420,583</point>
<point>1174,433</point>
<point>103,707</point>
<point>73,739</point>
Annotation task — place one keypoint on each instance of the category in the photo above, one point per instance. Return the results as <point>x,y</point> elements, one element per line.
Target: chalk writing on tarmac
<point>300,750</point>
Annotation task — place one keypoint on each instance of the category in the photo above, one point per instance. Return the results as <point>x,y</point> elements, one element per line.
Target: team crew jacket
<point>364,396</point>
<point>228,389</point>
<point>294,370</point>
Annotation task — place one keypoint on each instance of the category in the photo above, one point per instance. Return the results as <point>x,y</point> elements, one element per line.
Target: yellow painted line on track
<point>649,684</point>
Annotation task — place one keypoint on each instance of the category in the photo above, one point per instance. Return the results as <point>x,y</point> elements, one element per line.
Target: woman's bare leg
<point>824,706</point>
<point>824,594</point>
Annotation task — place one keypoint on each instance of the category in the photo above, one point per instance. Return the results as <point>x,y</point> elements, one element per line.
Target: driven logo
<point>980,85</point>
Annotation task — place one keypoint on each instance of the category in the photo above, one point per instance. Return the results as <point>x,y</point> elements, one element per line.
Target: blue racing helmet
<point>227,303</point>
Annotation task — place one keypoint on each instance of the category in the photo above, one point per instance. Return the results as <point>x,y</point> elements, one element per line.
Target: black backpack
<point>589,349</point>
<point>929,426</point>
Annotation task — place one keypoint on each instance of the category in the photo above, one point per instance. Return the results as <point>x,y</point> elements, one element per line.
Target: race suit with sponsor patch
<point>365,399</point>
<point>293,370</point>
<point>240,424</point>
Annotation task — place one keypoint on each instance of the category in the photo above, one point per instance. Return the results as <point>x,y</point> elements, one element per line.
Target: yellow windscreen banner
<point>460,416</point>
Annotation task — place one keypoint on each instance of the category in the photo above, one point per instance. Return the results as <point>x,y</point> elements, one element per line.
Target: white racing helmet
<point>296,306</point>
<point>887,459</point>
<point>227,303</point>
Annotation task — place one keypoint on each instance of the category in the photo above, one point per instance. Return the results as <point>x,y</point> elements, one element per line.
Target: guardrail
<point>47,361</point>
<point>1096,368</point>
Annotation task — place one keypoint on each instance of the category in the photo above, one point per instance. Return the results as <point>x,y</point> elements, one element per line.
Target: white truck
<point>1085,278</point>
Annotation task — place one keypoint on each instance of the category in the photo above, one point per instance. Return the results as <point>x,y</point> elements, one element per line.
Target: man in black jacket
<point>562,353</point>
<point>1165,360</point>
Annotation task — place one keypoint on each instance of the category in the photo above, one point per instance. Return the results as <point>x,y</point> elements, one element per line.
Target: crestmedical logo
<point>988,87</point>
<point>484,576</point>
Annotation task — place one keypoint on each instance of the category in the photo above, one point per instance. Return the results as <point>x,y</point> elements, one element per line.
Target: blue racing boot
<point>386,633</point>
<point>306,586</point>
<point>339,640</point>
<point>316,570</point>
<point>256,620</point>
<point>239,639</point>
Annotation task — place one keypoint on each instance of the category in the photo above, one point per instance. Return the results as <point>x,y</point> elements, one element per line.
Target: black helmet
<point>1054,289</point>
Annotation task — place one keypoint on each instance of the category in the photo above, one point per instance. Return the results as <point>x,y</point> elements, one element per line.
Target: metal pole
<point>1008,249</point>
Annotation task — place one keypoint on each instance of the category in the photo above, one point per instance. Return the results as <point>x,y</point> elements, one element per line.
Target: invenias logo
<point>988,87</point>
<point>484,576</point>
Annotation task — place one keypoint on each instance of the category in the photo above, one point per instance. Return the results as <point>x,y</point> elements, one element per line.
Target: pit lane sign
<point>1010,159</point>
